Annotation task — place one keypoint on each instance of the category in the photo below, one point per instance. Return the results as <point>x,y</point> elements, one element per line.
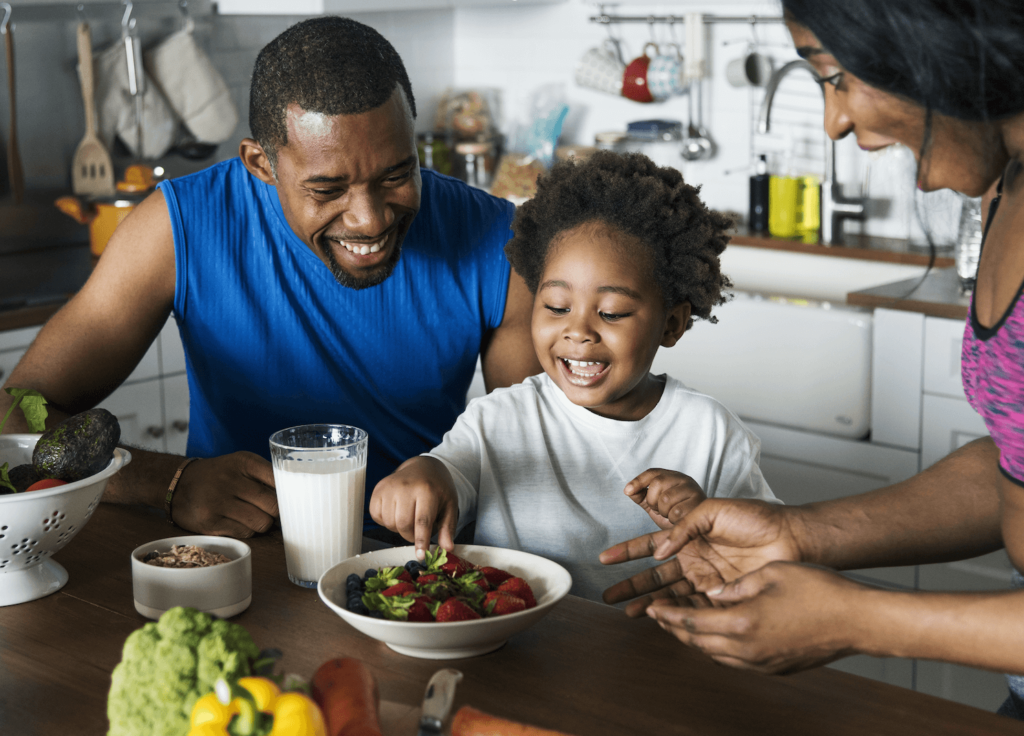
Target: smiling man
<point>320,276</point>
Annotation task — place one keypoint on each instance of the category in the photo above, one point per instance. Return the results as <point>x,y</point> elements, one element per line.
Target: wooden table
<point>585,668</point>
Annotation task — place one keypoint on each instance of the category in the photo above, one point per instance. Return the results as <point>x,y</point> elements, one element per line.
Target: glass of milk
<point>320,473</point>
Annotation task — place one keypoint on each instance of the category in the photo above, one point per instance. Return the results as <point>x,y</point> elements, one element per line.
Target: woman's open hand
<point>715,543</point>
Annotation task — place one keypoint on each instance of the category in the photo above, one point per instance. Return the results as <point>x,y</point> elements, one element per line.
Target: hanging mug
<point>634,81</point>
<point>665,74</point>
<point>751,69</point>
<point>600,68</point>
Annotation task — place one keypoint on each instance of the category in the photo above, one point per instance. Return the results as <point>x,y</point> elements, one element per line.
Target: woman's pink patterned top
<point>992,367</point>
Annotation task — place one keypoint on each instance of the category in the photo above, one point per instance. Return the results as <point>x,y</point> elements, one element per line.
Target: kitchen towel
<point>193,86</point>
<point>115,108</point>
<point>694,65</point>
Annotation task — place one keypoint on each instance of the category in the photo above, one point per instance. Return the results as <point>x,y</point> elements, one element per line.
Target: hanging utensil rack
<point>112,11</point>
<point>609,19</point>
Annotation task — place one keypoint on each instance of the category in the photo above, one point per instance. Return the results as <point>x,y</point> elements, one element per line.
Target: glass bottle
<point>968,243</point>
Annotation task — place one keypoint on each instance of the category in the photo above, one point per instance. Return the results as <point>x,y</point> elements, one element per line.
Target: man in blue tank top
<point>318,277</point>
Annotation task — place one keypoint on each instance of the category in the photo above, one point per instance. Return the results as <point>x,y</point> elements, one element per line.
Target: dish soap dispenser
<point>759,188</point>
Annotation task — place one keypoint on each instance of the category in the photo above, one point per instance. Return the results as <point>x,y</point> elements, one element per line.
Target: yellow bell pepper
<point>291,714</point>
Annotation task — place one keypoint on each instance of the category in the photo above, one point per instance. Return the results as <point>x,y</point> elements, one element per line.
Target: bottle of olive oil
<point>809,208</point>
<point>783,201</point>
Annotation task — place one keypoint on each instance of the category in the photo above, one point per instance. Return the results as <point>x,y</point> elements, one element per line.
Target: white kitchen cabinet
<point>897,347</point>
<point>943,342</point>
<point>947,424</point>
<point>139,410</point>
<point>176,413</point>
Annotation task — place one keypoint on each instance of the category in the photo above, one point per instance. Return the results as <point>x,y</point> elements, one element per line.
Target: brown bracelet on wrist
<point>174,484</point>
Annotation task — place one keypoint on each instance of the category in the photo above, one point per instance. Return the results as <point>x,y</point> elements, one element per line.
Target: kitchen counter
<point>857,246</point>
<point>584,669</point>
<point>938,296</point>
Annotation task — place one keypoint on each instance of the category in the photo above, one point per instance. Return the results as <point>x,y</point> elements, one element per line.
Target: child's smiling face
<point>599,318</point>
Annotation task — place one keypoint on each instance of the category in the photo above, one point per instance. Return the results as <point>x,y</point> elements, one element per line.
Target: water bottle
<point>968,243</point>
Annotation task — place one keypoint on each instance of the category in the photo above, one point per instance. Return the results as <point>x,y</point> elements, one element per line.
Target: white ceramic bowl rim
<point>199,540</point>
<point>121,458</point>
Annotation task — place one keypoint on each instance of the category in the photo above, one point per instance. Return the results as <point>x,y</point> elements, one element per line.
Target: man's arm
<point>508,356</point>
<point>90,347</point>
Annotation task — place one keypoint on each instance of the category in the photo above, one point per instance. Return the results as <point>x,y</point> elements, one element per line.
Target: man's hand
<point>782,618</point>
<point>232,495</point>
<point>417,500</point>
<point>667,496</point>
<point>717,542</point>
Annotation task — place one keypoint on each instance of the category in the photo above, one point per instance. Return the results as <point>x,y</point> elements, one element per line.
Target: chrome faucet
<point>834,206</point>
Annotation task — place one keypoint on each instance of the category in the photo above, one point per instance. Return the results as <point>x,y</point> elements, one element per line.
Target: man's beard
<point>375,278</point>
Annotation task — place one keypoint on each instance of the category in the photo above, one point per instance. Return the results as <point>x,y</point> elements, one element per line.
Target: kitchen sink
<point>787,349</point>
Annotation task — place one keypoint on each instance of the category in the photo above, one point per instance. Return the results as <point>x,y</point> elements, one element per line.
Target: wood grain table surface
<point>585,669</point>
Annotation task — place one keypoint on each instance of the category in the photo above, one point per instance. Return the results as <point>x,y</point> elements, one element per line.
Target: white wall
<point>520,48</point>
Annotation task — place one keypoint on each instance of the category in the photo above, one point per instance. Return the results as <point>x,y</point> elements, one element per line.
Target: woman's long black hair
<point>960,58</point>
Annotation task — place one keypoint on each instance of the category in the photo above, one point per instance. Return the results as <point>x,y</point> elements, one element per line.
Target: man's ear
<point>256,161</point>
<point>676,321</point>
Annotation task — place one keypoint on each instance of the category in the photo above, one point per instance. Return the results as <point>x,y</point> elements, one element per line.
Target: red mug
<point>634,79</point>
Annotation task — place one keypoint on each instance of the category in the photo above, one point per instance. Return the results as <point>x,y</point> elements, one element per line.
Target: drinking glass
<point>320,474</point>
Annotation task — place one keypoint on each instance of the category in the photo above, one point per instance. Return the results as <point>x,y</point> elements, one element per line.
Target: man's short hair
<point>329,65</point>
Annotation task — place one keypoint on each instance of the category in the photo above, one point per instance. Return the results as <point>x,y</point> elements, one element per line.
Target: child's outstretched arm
<point>666,495</point>
<point>415,500</point>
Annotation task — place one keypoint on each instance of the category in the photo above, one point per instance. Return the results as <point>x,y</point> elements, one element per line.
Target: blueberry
<point>371,573</point>
<point>360,609</point>
<point>413,566</point>
<point>354,598</point>
<point>355,580</point>
<point>375,614</point>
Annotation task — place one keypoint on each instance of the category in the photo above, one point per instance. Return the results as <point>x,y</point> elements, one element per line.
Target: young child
<point>620,255</point>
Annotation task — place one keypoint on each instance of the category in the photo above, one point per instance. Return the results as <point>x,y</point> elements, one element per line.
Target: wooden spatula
<point>91,169</point>
<point>14,170</point>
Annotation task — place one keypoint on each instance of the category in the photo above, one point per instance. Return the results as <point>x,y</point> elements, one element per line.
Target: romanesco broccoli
<point>168,665</point>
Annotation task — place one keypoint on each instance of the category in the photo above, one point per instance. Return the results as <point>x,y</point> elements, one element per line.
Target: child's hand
<point>667,496</point>
<point>415,500</point>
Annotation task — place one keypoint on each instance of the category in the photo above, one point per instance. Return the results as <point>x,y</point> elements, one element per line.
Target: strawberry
<point>519,587</point>
<point>427,578</point>
<point>499,603</point>
<point>400,589</point>
<point>456,566</point>
<point>405,577</point>
<point>495,576</point>
<point>420,610</point>
<point>455,610</point>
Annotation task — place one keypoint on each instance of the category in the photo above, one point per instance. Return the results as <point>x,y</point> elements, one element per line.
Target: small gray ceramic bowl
<point>223,590</point>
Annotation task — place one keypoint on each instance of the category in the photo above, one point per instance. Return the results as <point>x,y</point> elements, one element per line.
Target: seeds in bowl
<point>185,555</point>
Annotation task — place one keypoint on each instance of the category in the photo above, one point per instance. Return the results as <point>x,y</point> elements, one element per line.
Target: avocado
<point>78,447</point>
<point>22,476</point>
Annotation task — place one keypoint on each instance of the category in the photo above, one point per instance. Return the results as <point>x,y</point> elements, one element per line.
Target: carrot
<point>472,722</point>
<point>347,693</point>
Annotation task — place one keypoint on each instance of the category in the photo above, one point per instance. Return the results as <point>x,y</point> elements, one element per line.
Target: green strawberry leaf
<point>32,406</point>
<point>384,579</point>
<point>433,606</point>
<point>5,480</point>
<point>435,559</point>
<point>394,608</point>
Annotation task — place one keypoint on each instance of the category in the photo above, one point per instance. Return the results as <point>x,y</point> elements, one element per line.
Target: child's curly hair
<point>653,204</point>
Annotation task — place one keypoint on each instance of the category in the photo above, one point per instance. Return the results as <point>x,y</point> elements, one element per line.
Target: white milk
<point>321,505</point>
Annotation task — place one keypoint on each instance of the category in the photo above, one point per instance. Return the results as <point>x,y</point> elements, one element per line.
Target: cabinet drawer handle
<point>155,431</point>
<point>2,372</point>
<point>180,425</point>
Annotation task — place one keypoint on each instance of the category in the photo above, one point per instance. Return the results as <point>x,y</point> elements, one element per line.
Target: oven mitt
<point>115,108</point>
<point>195,89</point>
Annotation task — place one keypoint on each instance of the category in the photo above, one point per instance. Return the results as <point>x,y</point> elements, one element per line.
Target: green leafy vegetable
<point>33,406</point>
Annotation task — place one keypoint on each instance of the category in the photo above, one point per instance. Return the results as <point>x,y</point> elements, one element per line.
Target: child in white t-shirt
<point>621,255</point>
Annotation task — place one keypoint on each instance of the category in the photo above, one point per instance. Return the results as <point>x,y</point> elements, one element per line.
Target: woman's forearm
<point>980,630</point>
<point>949,511</point>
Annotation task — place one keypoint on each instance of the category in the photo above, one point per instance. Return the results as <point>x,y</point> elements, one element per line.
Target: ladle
<point>697,145</point>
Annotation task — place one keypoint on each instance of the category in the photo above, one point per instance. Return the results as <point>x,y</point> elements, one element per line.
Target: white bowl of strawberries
<point>449,606</point>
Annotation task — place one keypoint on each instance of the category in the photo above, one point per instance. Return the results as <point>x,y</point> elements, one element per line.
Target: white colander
<point>34,526</point>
